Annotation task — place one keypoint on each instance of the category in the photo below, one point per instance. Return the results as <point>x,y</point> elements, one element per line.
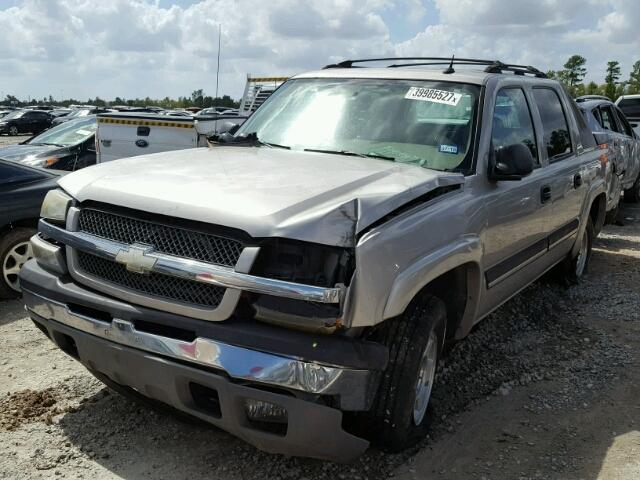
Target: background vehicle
<point>610,126</point>
<point>4,112</point>
<point>25,121</point>
<point>630,106</point>
<point>69,146</point>
<point>125,134</point>
<point>297,286</point>
<point>82,112</point>
<point>22,190</point>
<point>257,90</point>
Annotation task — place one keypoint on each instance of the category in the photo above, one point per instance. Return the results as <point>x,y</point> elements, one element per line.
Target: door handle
<point>577,180</point>
<point>545,193</point>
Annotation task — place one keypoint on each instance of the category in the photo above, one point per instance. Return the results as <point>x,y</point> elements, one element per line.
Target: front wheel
<point>398,418</point>
<point>15,250</point>
<point>13,130</point>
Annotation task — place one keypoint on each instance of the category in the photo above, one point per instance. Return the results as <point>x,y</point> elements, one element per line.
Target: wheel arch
<point>453,275</point>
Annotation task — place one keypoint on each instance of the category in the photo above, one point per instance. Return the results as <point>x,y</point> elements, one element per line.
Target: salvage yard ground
<point>548,387</point>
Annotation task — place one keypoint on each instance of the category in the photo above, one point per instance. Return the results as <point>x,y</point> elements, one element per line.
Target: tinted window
<point>555,128</point>
<point>512,121</point>
<point>622,121</point>
<point>14,173</point>
<point>630,107</point>
<point>608,122</point>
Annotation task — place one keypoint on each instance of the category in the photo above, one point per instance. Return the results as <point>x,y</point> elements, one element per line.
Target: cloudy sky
<point>138,48</point>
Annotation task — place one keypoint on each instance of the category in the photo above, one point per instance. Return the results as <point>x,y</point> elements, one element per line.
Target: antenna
<point>450,69</point>
<point>218,66</point>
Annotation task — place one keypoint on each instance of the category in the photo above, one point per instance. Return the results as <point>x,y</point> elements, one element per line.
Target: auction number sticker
<point>433,95</point>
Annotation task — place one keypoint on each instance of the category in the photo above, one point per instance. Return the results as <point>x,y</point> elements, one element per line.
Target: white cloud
<point>135,48</point>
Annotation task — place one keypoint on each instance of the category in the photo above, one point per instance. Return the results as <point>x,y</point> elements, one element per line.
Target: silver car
<point>295,283</point>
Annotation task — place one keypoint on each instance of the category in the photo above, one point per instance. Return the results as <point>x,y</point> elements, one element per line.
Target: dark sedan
<point>69,146</point>
<point>22,190</point>
<point>25,121</point>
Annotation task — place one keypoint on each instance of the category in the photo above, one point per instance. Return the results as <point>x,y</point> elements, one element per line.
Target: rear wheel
<point>632,195</point>
<point>15,250</point>
<point>575,266</point>
<point>13,130</point>
<point>399,418</point>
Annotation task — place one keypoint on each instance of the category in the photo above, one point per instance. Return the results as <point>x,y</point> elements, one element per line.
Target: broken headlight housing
<point>305,263</point>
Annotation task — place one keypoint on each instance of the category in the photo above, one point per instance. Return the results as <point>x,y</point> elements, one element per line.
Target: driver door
<point>515,236</point>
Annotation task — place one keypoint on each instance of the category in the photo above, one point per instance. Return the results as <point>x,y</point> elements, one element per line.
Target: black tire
<point>612,215</point>
<point>632,195</point>
<point>8,242</point>
<point>390,423</point>
<point>13,130</point>
<point>571,270</point>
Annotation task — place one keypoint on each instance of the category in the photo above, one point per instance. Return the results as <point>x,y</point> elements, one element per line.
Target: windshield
<point>68,133</point>
<point>14,114</point>
<point>79,113</point>
<point>424,123</point>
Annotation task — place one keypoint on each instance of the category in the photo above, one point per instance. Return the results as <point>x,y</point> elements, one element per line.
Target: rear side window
<point>622,121</point>
<point>630,107</point>
<point>555,128</point>
<point>608,121</point>
<point>512,121</point>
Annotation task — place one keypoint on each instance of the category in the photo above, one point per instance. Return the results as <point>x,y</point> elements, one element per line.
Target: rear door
<point>563,187</point>
<point>630,146</point>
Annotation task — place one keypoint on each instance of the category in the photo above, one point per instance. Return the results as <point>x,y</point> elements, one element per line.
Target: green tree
<point>592,88</point>
<point>612,77</point>
<point>634,78</point>
<point>575,70</point>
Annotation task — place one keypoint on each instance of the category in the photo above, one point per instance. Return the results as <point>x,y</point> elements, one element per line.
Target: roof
<point>461,75</point>
<point>589,104</point>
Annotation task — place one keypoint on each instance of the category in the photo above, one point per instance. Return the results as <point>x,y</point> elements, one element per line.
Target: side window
<point>608,122</point>
<point>555,129</point>
<point>623,122</point>
<point>512,121</point>
<point>15,173</point>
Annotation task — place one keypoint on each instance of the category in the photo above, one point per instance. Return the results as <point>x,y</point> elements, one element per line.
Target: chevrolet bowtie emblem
<point>136,260</point>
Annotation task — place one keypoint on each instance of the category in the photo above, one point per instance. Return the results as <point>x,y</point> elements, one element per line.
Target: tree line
<point>574,71</point>
<point>197,99</point>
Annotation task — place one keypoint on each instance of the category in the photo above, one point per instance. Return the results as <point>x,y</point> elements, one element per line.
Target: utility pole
<point>218,66</point>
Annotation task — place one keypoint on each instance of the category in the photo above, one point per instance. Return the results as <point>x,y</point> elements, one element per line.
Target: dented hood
<point>267,192</point>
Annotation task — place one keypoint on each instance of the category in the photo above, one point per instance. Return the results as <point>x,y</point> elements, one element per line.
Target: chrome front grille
<point>164,238</point>
<point>163,286</point>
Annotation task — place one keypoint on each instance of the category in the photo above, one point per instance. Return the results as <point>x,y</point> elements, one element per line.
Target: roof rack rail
<point>492,66</point>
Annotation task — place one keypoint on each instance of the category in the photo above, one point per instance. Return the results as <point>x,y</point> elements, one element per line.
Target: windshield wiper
<point>45,143</point>
<point>248,139</point>
<point>350,154</point>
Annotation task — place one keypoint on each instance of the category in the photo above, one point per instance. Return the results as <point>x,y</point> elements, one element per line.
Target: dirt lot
<point>548,387</point>
<point>7,140</point>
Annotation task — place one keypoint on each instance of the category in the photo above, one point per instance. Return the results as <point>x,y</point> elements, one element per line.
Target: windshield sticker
<point>433,95</point>
<point>84,132</point>
<point>449,149</point>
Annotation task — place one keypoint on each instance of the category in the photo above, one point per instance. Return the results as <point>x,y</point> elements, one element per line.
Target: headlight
<point>50,161</point>
<point>55,206</point>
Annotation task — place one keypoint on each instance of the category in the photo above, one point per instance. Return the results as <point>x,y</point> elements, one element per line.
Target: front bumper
<point>238,357</point>
<point>312,430</point>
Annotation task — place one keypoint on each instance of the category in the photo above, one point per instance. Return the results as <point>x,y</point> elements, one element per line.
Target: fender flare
<point>409,282</point>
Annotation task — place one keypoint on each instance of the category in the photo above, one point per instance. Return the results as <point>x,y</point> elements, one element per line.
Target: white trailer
<point>122,135</point>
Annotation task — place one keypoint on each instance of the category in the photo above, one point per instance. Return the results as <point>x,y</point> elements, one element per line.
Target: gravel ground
<point>547,387</point>
<point>8,140</point>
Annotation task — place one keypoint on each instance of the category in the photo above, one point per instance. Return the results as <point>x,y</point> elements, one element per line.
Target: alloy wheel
<point>13,261</point>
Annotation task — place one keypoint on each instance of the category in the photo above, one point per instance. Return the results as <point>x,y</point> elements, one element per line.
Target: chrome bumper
<point>238,362</point>
<point>190,269</point>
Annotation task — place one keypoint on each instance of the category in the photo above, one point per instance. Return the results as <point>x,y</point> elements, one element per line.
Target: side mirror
<point>512,162</point>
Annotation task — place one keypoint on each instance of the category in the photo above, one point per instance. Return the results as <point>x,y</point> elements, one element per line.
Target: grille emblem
<point>135,259</point>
